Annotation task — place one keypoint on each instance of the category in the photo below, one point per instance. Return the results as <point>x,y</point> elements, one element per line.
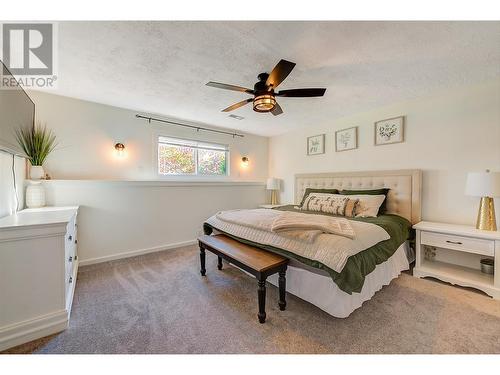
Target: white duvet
<point>329,249</point>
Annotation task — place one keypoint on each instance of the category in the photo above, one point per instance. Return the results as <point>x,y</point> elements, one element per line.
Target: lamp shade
<point>273,184</point>
<point>483,184</point>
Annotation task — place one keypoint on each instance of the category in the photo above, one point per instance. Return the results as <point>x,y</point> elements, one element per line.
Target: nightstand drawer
<point>449,241</point>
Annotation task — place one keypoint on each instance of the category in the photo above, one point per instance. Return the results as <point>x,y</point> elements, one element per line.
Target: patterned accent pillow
<point>328,203</point>
<point>314,190</point>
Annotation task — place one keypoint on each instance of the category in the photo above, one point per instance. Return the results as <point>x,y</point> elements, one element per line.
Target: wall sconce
<point>120,150</point>
<point>245,161</point>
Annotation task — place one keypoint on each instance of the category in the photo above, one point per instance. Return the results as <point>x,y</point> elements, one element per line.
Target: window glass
<point>187,157</point>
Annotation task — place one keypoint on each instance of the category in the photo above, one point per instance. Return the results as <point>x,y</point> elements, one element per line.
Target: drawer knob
<point>76,241</point>
<point>70,237</point>
<point>454,242</point>
<point>70,259</point>
<point>70,279</point>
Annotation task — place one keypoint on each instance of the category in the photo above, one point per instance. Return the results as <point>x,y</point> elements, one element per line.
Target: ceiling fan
<point>264,96</point>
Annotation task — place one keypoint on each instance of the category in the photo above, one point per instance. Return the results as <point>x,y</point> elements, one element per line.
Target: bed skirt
<point>319,289</point>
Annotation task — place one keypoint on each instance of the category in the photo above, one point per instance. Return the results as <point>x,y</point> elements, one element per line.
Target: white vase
<point>35,194</point>
<point>36,172</point>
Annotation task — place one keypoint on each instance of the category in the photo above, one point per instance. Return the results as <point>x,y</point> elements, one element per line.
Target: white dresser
<point>38,268</point>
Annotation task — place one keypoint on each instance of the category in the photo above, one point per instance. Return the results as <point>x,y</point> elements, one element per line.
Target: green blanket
<point>352,277</point>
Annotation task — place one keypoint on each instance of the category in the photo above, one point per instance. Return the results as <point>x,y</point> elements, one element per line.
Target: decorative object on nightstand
<point>485,185</point>
<point>462,255</point>
<point>273,184</point>
<point>488,266</point>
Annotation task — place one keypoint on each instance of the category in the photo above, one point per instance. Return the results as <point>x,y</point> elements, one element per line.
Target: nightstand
<point>270,205</point>
<point>452,253</point>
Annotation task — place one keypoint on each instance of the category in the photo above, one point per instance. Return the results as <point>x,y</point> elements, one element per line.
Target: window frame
<point>224,147</point>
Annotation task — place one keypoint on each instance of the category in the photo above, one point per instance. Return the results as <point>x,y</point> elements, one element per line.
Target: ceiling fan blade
<point>237,105</point>
<point>229,87</point>
<point>279,73</point>
<point>277,110</point>
<point>301,93</point>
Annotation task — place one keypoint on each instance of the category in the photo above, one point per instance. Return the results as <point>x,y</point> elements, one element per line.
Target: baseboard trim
<point>33,329</point>
<point>133,253</point>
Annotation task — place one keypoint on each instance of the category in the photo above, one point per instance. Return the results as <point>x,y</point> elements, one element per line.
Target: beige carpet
<point>159,303</point>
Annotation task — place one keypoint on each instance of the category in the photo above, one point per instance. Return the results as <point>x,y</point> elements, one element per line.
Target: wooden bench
<point>257,262</point>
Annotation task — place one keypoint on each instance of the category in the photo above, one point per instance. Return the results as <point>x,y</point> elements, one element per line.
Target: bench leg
<point>203,270</point>
<point>282,289</point>
<point>261,292</point>
<point>219,263</point>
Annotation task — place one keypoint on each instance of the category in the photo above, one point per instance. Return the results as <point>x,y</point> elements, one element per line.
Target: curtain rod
<point>198,128</point>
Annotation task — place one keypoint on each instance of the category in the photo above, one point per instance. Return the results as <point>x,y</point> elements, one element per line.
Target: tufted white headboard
<point>403,199</point>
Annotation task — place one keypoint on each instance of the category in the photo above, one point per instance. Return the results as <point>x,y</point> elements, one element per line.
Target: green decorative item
<point>37,143</point>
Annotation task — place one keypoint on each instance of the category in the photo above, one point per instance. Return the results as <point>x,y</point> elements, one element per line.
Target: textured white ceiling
<point>162,67</point>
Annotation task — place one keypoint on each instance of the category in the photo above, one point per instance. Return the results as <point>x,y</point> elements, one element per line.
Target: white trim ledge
<point>133,253</point>
<point>156,183</point>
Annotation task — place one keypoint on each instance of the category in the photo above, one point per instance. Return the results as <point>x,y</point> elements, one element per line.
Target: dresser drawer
<point>450,241</point>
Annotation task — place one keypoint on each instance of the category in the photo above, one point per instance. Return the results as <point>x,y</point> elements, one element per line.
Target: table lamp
<point>485,185</point>
<point>273,184</point>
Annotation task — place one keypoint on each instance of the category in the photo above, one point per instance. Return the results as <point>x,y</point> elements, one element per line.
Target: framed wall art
<point>316,144</point>
<point>346,139</point>
<point>389,131</point>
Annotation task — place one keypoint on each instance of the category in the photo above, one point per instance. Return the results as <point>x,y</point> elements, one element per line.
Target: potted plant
<point>37,143</point>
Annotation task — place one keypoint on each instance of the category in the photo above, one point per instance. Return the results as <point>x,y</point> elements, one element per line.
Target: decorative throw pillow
<point>313,190</point>
<point>368,205</point>
<point>350,207</point>
<point>384,191</point>
<point>328,203</point>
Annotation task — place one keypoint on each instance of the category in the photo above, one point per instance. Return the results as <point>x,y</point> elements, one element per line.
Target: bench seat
<point>257,262</point>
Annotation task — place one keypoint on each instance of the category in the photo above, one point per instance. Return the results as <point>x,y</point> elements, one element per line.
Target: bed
<point>339,292</point>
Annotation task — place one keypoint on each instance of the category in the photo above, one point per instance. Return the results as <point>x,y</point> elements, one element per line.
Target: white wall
<point>120,218</point>
<point>7,192</point>
<point>87,133</point>
<point>446,136</point>
<point>125,208</point>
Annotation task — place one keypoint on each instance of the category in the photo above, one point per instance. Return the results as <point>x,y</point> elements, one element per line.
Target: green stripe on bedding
<point>358,266</point>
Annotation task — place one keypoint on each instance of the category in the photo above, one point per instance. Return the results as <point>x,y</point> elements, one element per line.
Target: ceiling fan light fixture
<point>264,103</point>
<point>263,91</point>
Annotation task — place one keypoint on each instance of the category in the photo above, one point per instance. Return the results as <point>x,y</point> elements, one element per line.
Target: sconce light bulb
<point>120,149</point>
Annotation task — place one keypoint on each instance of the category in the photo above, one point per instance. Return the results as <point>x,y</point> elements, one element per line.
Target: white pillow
<point>368,205</point>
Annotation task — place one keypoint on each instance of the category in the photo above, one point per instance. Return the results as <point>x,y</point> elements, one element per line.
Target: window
<point>185,157</point>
